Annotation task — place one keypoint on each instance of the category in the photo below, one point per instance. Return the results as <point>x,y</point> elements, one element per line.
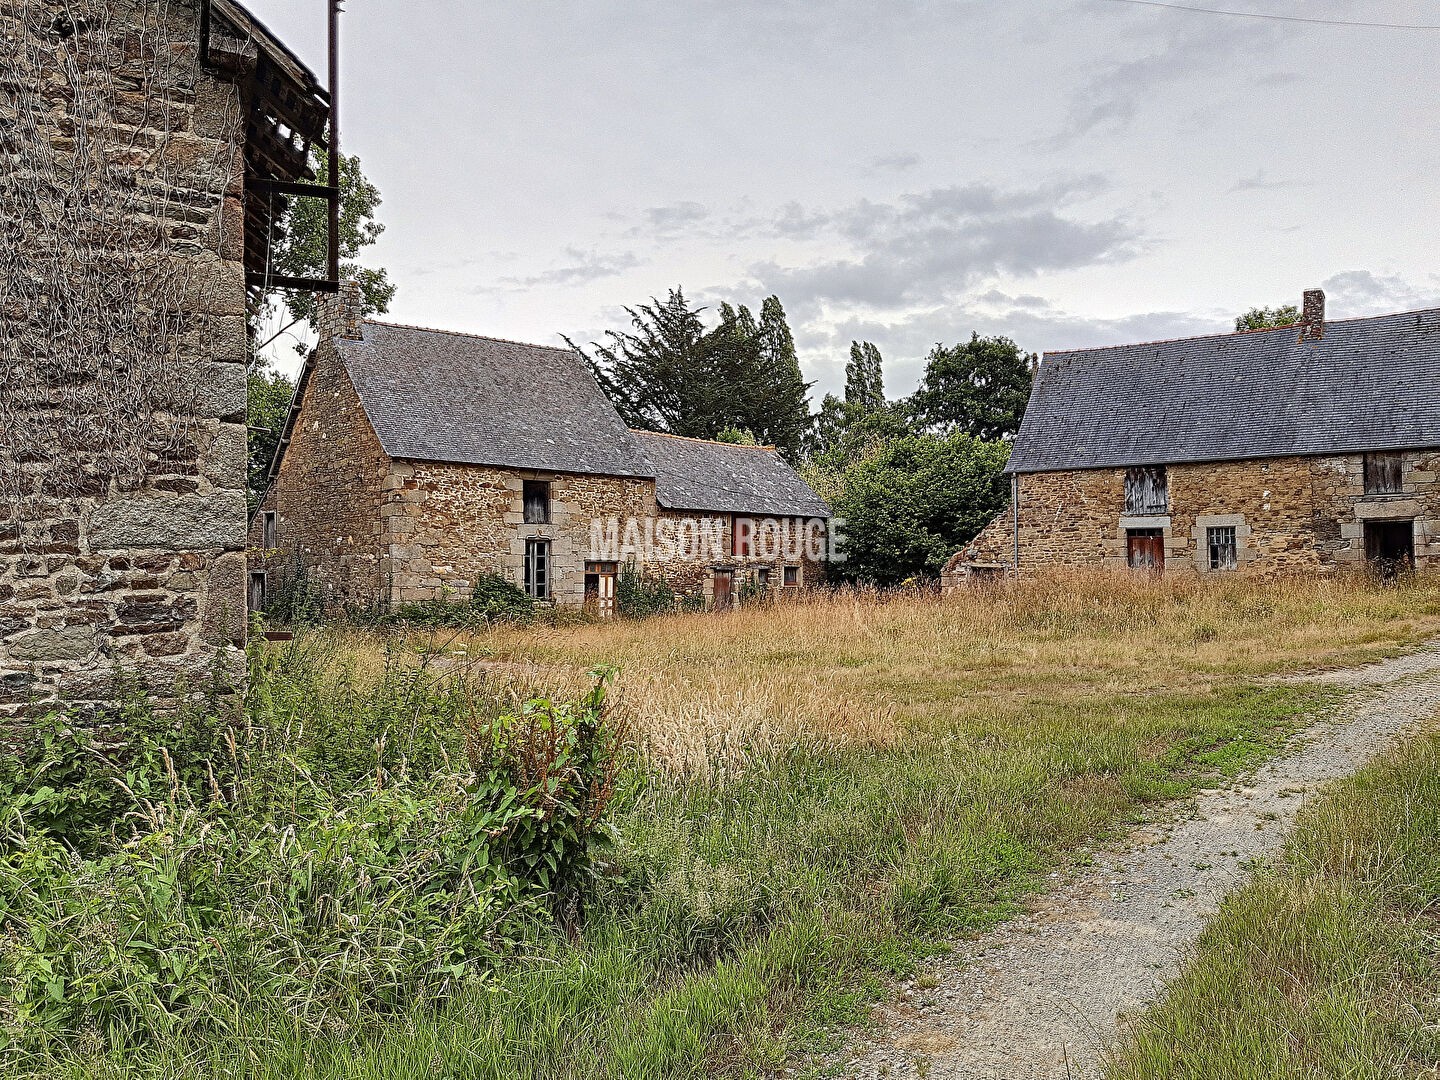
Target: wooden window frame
<point>535,502</point>
<point>1384,473</point>
<point>261,578</point>
<point>1218,545</point>
<point>1142,481</point>
<point>269,530</point>
<point>537,572</point>
<point>738,549</point>
<point>787,574</point>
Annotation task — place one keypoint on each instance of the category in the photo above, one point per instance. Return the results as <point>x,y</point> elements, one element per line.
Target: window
<point>269,527</point>
<point>537,569</point>
<point>1146,491</point>
<point>1223,552</point>
<point>1382,474</point>
<point>762,578</point>
<point>537,502</point>
<point>792,577</point>
<point>256,596</point>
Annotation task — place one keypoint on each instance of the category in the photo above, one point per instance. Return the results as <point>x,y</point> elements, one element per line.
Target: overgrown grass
<point>821,792</point>
<point>1327,964</point>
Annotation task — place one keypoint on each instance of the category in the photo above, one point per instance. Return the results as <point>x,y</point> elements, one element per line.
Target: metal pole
<point>334,177</point>
<point>1015,514</point>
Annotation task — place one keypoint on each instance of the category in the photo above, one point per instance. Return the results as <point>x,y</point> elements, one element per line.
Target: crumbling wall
<point>122,349</point>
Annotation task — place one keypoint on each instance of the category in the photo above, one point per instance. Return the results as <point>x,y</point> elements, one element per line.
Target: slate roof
<point>1369,384</point>
<point>432,395</point>
<point>696,474</point>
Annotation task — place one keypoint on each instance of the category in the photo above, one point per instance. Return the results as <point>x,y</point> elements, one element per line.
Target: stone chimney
<point>338,316</point>
<point>1312,316</point>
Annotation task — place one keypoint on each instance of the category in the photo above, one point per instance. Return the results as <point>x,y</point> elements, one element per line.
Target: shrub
<point>639,595</point>
<point>493,598</point>
<point>185,871</point>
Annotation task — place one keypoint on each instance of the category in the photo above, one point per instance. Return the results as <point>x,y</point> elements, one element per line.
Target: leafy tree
<point>670,373</point>
<point>303,239</point>
<point>864,377</point>
<point>979,387</point>
<point>1267,318</point>
<point>911,501</point>
<point>269,403</point>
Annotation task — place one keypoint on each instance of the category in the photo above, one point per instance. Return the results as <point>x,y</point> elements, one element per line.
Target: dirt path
<point>1041,996</point>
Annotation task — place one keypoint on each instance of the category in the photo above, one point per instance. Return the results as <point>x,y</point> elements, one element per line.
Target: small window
<point>257,590</point>
<point>742,536</point>
<point>1382,474</point>
<point>792,577</point>
<point>270,528</point>
<point>537,569</point>
<point>1223,552</point>
<point>537,502</point>
<point>1146,491</point>
<point>762,578</point>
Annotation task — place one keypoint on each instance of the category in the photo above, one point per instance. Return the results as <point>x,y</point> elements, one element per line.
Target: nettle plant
<point>339,849</point>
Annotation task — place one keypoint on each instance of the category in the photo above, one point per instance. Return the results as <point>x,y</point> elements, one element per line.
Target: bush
<point>493,598</point>
<point>176,874</point>
<point>639,595</point>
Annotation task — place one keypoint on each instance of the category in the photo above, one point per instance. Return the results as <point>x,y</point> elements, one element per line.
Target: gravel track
<point>1043,995</point>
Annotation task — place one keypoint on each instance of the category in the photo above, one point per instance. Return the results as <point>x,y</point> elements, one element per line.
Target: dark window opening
<point>269,526</point>
<point>762,578</point>
<point>1145,549</point>
<point>256,597</point>
<point>537,502</point>
<point>537,569</point>
<point>1223,552</point>
<point>792,577</point>
<point>1382,474</point>
<point>1146,491</point>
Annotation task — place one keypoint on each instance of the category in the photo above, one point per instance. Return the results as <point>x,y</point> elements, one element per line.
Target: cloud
<point>935,244</point>
<point>1357,293</point>
<point>895,162</point>
<point>672,218</point>
<point>586,267</point>
<point>1260,182</point>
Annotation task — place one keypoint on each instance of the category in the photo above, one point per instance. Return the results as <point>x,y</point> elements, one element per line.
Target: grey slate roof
<point>1370,384</point>
<point>432,395</point>
<point>695,474</point>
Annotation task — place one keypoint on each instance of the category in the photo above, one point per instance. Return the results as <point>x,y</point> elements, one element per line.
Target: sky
<point>909,172</point>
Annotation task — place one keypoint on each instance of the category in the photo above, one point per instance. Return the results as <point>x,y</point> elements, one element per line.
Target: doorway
<point>1390,546</point>
<point>600,588</point>
<point>1145,549</point>
<point>723,593</point>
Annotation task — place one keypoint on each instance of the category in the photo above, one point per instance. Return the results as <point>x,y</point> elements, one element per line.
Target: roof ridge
<point>462,333</point>
<point>712,442</point>
<point>1236,333</point>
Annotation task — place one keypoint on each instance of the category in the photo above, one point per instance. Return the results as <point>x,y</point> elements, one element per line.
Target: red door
<point>723,594</point>
<point>1145,549</point>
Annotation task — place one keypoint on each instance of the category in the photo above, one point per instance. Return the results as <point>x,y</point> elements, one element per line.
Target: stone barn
<point>415,460</point>
<point>1311,447</point>
<point>131,152</point>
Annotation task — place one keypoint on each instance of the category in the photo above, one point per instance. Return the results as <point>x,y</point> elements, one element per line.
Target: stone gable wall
<point>1290,514</point>
<point>122,349</point>
<point>329,495</point>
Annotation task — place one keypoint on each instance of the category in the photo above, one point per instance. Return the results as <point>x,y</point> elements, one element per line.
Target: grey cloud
<point>895,162</point>
<point>675,217</point>
<point>1356,293</point>
<point>587,267</point>
<point>935,244</point>
<point>1259,181</point>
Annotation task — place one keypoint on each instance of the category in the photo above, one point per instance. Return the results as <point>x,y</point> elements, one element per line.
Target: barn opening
<point>1390,546</point>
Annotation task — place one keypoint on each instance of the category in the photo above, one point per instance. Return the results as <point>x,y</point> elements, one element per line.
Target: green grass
<point>1328,963</point>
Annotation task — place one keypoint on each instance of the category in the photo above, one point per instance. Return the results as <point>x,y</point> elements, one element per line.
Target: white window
<point>1224,554</point>
<point>537,568</point>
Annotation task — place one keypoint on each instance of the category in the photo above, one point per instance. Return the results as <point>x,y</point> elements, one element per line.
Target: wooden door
<point>600,588</point>
<point>1145,549</point>
<point>723,593</point>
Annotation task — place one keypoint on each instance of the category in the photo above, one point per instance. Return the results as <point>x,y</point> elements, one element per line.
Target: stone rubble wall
<point>1290,514</point>
<point>122,350</point>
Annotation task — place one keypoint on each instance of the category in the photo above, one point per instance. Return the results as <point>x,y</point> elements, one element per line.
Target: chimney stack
<point>1312,316</point>
<point>338,315</point>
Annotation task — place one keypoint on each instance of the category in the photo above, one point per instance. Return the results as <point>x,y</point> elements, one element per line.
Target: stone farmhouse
<point>135,140</point>
<point>1309,448</point>
<point>415,460</point>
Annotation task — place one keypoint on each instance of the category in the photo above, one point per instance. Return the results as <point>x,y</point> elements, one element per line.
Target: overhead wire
<point>1311,20</point>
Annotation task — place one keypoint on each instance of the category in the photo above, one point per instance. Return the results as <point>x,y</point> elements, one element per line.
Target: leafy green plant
<point>639,595</point>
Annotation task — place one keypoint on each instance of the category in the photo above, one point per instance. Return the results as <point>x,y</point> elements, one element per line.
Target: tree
<point>303,239</point>
<point>670,373</point>
<point>1265,318</point>
<point>864,378</point>
<point>864,416</point>
<point>910,502</point>
<point>979,387</point>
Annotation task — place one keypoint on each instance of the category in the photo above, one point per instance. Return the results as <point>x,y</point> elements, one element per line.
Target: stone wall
<point>122,349</point>
<point>1289,514</point>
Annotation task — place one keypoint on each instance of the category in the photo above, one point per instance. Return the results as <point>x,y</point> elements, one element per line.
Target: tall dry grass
<point>708,694</point>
